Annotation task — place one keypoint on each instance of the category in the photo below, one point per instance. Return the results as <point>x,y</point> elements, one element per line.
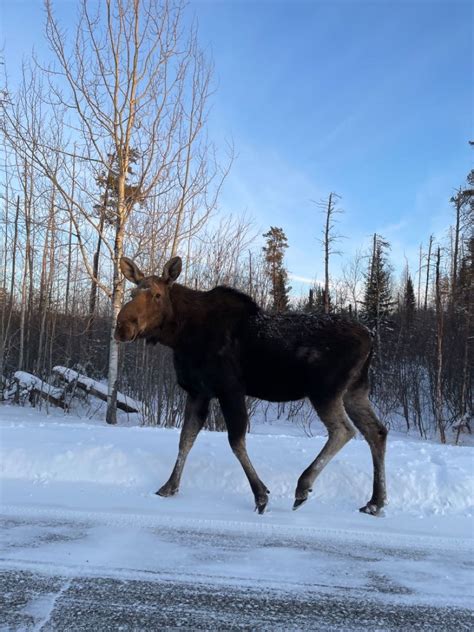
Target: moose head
<point>150,307</point>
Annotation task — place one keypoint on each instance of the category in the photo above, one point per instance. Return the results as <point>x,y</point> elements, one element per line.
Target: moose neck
<point>187,308</point>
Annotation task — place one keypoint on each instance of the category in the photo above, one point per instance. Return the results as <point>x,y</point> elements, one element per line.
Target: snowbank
<point>424,479</point>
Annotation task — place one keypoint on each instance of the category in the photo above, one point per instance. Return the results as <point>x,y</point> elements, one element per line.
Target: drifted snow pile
<point>423,478</point>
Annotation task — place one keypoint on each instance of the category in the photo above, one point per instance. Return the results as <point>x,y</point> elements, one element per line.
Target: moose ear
<point>130,270</point>
<point>172,270</point>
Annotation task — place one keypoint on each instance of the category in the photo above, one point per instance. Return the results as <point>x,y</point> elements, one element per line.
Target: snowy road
<point>33,601</point>
<point>78,572</point>
<point>85,544</point>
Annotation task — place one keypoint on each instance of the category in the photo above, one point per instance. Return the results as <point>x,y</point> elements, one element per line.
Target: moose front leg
<point>236,419</point>
<point>194,418</point>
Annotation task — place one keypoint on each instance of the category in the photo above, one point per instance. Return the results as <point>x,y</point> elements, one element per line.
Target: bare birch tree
<point>353,276</point>
<point>129,86</point>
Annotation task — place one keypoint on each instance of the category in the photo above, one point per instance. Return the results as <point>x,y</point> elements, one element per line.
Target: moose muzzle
<point>126,329</point>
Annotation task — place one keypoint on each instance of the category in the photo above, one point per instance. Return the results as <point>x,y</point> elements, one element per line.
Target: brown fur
<point>226,347</point>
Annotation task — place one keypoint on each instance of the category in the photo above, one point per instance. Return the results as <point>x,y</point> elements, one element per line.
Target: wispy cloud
<point>389,229</point>
<point>303,279</point>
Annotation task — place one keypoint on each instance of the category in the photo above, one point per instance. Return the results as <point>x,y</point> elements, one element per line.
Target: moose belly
<point>275,378</point>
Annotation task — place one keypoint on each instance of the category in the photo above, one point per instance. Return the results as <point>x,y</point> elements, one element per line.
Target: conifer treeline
<point>422,368</point>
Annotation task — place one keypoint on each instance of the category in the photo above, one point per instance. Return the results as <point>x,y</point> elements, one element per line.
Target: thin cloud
<point>302,279</point>
<point>393,228</point>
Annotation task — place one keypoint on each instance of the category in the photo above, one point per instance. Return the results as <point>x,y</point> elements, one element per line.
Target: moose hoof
<point>298,502</point>
<point>301,498</point>
<point>371,509</point>
<point>261,503</point>
<point>166,491</point>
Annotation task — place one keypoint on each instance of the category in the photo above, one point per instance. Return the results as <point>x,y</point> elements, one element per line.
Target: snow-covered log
<point>33,384</point>
<point>96,388</point>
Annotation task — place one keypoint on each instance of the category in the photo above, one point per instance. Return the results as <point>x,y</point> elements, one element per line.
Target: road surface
<point>72,571</point>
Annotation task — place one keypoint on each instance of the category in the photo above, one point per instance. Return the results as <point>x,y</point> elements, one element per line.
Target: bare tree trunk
<point>439,353</point>
<point>69,266</point>
<point>458,204</point>
<point>4,342</point>
<point>27,273</point>
<point>95,276</point>
<point>418,302</point>
<point>428,261</point>
<point>45,285</point>
<point>117,297</point>
<point>326,253</point>
<point>112,378</point>
<point>69,242</point>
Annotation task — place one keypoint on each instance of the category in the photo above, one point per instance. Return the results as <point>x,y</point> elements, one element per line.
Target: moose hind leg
<point>374,432</point>
<point>236,418</point>
<point>340,431</point>
<point>195,415</point>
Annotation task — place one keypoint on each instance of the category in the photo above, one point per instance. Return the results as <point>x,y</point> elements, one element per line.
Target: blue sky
<point>373,100</point>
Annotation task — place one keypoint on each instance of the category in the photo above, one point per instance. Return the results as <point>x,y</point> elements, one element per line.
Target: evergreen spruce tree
<point>315,302</point>
<point>409,301</point>
<point>377,302</point>
<point>274,252</point>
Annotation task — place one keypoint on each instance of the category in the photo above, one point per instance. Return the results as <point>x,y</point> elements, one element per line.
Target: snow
<point>29,381</point>
<point>92,487</point>
<point>424,479</point>
<point>89,384</point>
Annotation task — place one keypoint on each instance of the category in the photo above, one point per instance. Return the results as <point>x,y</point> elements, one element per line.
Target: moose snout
<point>125,331</point>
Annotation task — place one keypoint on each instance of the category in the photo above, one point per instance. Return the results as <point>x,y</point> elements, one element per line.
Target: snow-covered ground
<point>78,499</point>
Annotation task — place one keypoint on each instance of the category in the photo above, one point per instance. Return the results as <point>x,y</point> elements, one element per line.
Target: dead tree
<point>428,262</point>
<point>329,209</point>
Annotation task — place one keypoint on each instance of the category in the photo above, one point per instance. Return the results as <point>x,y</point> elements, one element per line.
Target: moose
<point>226,347</point>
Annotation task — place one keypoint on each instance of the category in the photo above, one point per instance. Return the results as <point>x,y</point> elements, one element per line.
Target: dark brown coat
<point>226,347</point>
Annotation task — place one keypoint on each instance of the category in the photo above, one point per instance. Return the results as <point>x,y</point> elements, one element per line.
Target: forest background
<point>106,150</point>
